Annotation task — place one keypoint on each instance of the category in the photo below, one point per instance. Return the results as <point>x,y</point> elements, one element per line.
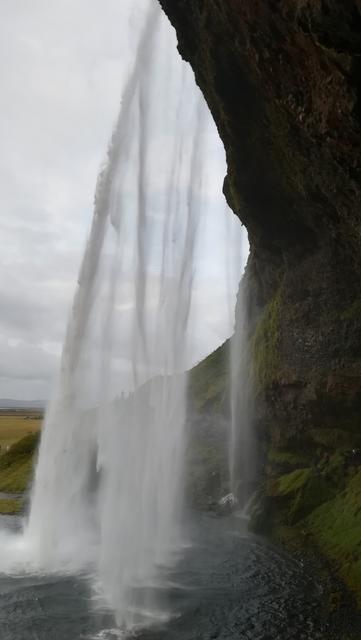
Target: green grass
<point>10,507</point>
<point>17,464</point>
<point>304,490</point>
<point>14,427</point>
<point>265,344</point>
<point>289,483</point>
<point>288,458</point>
<point>336,527</point>
<point>209,380</point>
<point>321,504</point>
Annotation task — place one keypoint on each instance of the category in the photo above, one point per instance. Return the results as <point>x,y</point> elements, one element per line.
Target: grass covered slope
<point>206,460</point>
<point>310,436</point>
<point>16,425</point>
<point>319,504</point>
<point>208,381</point>
<point>16,467</point>
<point>10,507</point>
<point>336,526</point>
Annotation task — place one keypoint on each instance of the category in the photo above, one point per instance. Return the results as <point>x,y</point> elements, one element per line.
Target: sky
<point>63,65</point>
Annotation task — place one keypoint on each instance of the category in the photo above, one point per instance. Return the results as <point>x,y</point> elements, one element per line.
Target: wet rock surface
<point>283,82</point>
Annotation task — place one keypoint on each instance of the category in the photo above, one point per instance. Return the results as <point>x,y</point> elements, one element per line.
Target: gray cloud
<point>62,64</point>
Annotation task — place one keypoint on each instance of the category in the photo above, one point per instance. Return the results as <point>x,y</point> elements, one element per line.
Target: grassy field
<point>19,437</point>
<point>16,471</point>
<point>10,507</point>
<point>16,465</point>
<point>16,425</point>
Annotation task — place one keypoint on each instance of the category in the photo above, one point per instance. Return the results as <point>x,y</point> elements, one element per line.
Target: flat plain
<point>15,425</point>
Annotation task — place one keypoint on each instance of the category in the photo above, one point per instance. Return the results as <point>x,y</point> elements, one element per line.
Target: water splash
<point>242,452</point>
<point>107,493</point>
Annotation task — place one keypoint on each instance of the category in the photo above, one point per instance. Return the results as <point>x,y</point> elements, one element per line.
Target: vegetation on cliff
<point>336,527</point>
<point>208,381</point>
<point>207,473</point>
<point>283,83</point>
<point>265,348</point>
<point>320,503</point>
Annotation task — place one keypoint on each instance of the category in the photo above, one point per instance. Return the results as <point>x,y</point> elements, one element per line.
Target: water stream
<point>109,549</point>
<point>107,496</point>
<point>226,585</point>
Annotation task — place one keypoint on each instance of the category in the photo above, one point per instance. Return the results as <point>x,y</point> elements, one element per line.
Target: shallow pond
<point>227,585</point>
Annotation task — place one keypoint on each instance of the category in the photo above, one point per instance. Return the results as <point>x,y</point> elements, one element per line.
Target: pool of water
<point>227,585</point>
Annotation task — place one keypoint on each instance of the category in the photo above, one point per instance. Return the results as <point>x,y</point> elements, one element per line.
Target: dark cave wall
<point>282,79</point>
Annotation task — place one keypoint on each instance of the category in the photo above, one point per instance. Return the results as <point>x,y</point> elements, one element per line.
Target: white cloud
<point>62,65</point>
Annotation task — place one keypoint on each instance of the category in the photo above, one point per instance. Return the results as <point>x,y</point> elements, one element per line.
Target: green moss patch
<point>319,505</point>
<point>288,459</point>
<point>17,464</point>
<point>302,491</point>
<point>315,491</point>
<point>336,527</point>
<point>289,483</point>
<point>265,344</point>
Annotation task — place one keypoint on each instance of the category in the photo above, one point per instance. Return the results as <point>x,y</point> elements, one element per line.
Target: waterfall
<point>242,463</point>
<point>107,494</point>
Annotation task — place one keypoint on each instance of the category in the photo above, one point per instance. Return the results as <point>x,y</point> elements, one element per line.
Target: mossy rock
<point>288,484</point>
<point>265,345</point>
<point>283,461</point>
<point>314,492</point>
<point>336,470</point>
<point>320,504</point>
<point>335,438</point>
<point>336,527</point>
<point>302,491</point>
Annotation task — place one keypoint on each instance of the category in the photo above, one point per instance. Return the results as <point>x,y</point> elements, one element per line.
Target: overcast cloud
<point>62,63</point>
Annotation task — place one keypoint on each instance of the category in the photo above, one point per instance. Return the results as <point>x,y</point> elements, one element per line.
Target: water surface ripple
<point>227,585</point>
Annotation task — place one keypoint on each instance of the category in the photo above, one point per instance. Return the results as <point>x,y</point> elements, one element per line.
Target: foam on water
<point>107,496</point>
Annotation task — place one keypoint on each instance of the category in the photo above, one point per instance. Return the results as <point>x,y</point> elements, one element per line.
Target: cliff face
<point>283,81</point>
